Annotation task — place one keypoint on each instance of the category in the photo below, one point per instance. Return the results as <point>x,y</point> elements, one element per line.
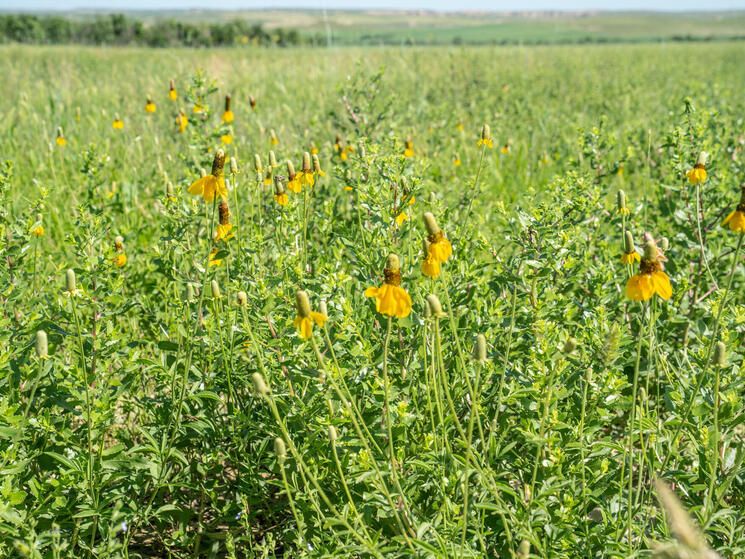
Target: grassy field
<point>166,393</point>
<point>369,27</point>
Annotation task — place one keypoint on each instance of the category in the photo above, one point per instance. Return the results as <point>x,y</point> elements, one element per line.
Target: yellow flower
<point>197,109</point>
<point>390,298</point>
<point>273,137</point>
<point>38,231</point>
<point>224,226</point>
<point>268,178</point>
<point>213,183</point>
<point>213,261</point>
<point>400,218</point>
<point>172,94</point>
<point>60,137</point>
<point>650,279</point>
<point>348,188</point>
<point>439,247</point>
<point>409,151</point>
<point>182,122</point>
<point>630,257</point>
<point>487,143</point>
<point>119,260</point>
<point>456,161</point>
<point>314,150</point>
<point>623,211</point>
<point>223,232</point>
<point>736,220</point>
<point>227,116</point>
<point>485,137</point>
<point>460,126</point>
<point>226,139</point>
<point>698,173</point>
<point>149,106</point>
<point>117,124</point>
<point>292,179</point>
<point>281,199</point>
<point>506,149</point>
<point>305,317</point>
<point>412,201</point>
<point>430,267</point>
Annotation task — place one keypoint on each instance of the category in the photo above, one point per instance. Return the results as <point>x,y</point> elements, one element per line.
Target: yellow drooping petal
<point>400,218</point>
<point>172,94</point>
<point>208,186</point>
<point>213,261</point>
<point>304,326</point>
<point>640,287</point>
<point>150,108</point>
<point>661,283</point>
<point>223,232</point>
<point>487,143</point>
<point>226,139</point>
<point>294,186</point>
<point>305,178</point>
<point>430,267</point>
<point>227,116</point>
<point>120,260</point>
<point>117,125</point>
<point>441,249</point>
<point>38,231</point>
<point>61,141</point>
<point>630,257</point>
<point>696,175</point>
<point>736,221</point>
<point>391,300</point>
<point>318,318</point>
<point>281,199</point>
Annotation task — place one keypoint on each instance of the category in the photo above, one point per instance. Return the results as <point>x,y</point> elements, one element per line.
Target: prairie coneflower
<point>227,138</point>
<point>460,126</point>
<point>38,229</point>
<point>252,102</point>
<point>214,261</point>
<point>117,124</point>
<point>622,209</point>
<point>305,176</point>
<point>430,266</point>
<point>149,106</point>
<point>390,298</point>
<point>172,93</point>
<point>317,166</point>
<point>280,196</point>
<point>121,258</point>
<point>306,317</point>
<point>182,121</point>
<point>208,185</point>
<point>292,182</point>
<point>60,137</point>
<point>650,279</point>
<point>485,137</point>
<point>409,149</point>
<point>439,247</point>
<point>629,255</point>
<point>273,137</point>
<point>456,160</point>
<point>736,220</point>
<point>698,173</point>
<point>227,115</point>
<point>224,227</point>
<point>197,109</point>
<point>506,149</point>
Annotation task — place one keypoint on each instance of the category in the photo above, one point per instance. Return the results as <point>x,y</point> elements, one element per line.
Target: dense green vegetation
<point>143,426</point>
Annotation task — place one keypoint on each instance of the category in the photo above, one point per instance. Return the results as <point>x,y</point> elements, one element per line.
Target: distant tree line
<point>117,29</point>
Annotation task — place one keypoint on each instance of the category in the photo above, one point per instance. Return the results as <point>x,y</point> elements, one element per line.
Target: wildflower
<point>390,298</point>
<point>233,166</point>
<point>622,209</point>
<point>214,261</point>
<point>182,121</point>
<point>292,183</point>
<point>430,266</point>
<point>460,126</point>
<point>213,183</point>
<point>60,137</point>
<point>736,220</point>
<point>439,247</point>
<point>313,149</point>
<point>117,124</point>
<point>170,194</point>
<point>197,109</point>
<point>224,226</point>
<point>226,139</point>
<point>38,229</point>
<point>305,317</point>
<point>317,166</point>
<point>172,93</point>
<point>252,102</point>
<point>121,258</point>
<point>629,255</point>
<point>273,160</point>
<point>257,165</point>
<point>305,176</point>
<point>409,149</point>
<point>698,173</point>
<point>273,137</point>
<point>456,160</point>
<point>227,115</point>
<point>280,196</point>
<point>341,150</point>
<point>215,288</point>
<point>400,218</point>
<point>650,279</point>
<point>41,346</point>
<point>485,137</point>
<point>149,106</point>
<point>506,148</point>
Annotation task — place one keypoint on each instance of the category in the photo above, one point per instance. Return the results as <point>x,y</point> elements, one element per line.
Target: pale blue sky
<point>443,5</point>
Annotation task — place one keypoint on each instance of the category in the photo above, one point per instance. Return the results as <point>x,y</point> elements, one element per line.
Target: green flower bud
<point>42,347</point>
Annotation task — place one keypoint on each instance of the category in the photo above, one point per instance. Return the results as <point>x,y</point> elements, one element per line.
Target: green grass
<point>144,430</point>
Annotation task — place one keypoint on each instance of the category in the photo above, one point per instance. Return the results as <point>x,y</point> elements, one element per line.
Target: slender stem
<point>387,403</point>
<point>473,189</point>
<point>632,419</point>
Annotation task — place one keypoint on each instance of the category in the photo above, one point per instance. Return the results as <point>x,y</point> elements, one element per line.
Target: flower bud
<point>702,157</point>
<point>241,299</point>
<point>435,306</point>
<point>302,303</point>
<point>273,136</point>
<point>524,550</point>
<point>70,284</point>
<point>279,449</point>
<point>291,170</point>
<point>42,348</point>
<point>233,166</point>
<point>363,151</point>
<point>650,248</point>
<point>316,164</point>
<point>306,162</point>
<point>170,193</point>
<point>479,349</point>
<point>323,309</point>
<point>621,200</point>
<point>720,354</point>
<point>333,435</point>
<point>218,163</point>
<point>202,172</point>
<point>628,242</point>
<point>189,293</point>
<point>392,263</point>
<point>259,384</point>
<point>485,132</point>
<point>257,163</point>
<point>569,346</point>
<point>665,244</point>
<point>215,289</point>
<point>431,224</point>
<point>432,198</point>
